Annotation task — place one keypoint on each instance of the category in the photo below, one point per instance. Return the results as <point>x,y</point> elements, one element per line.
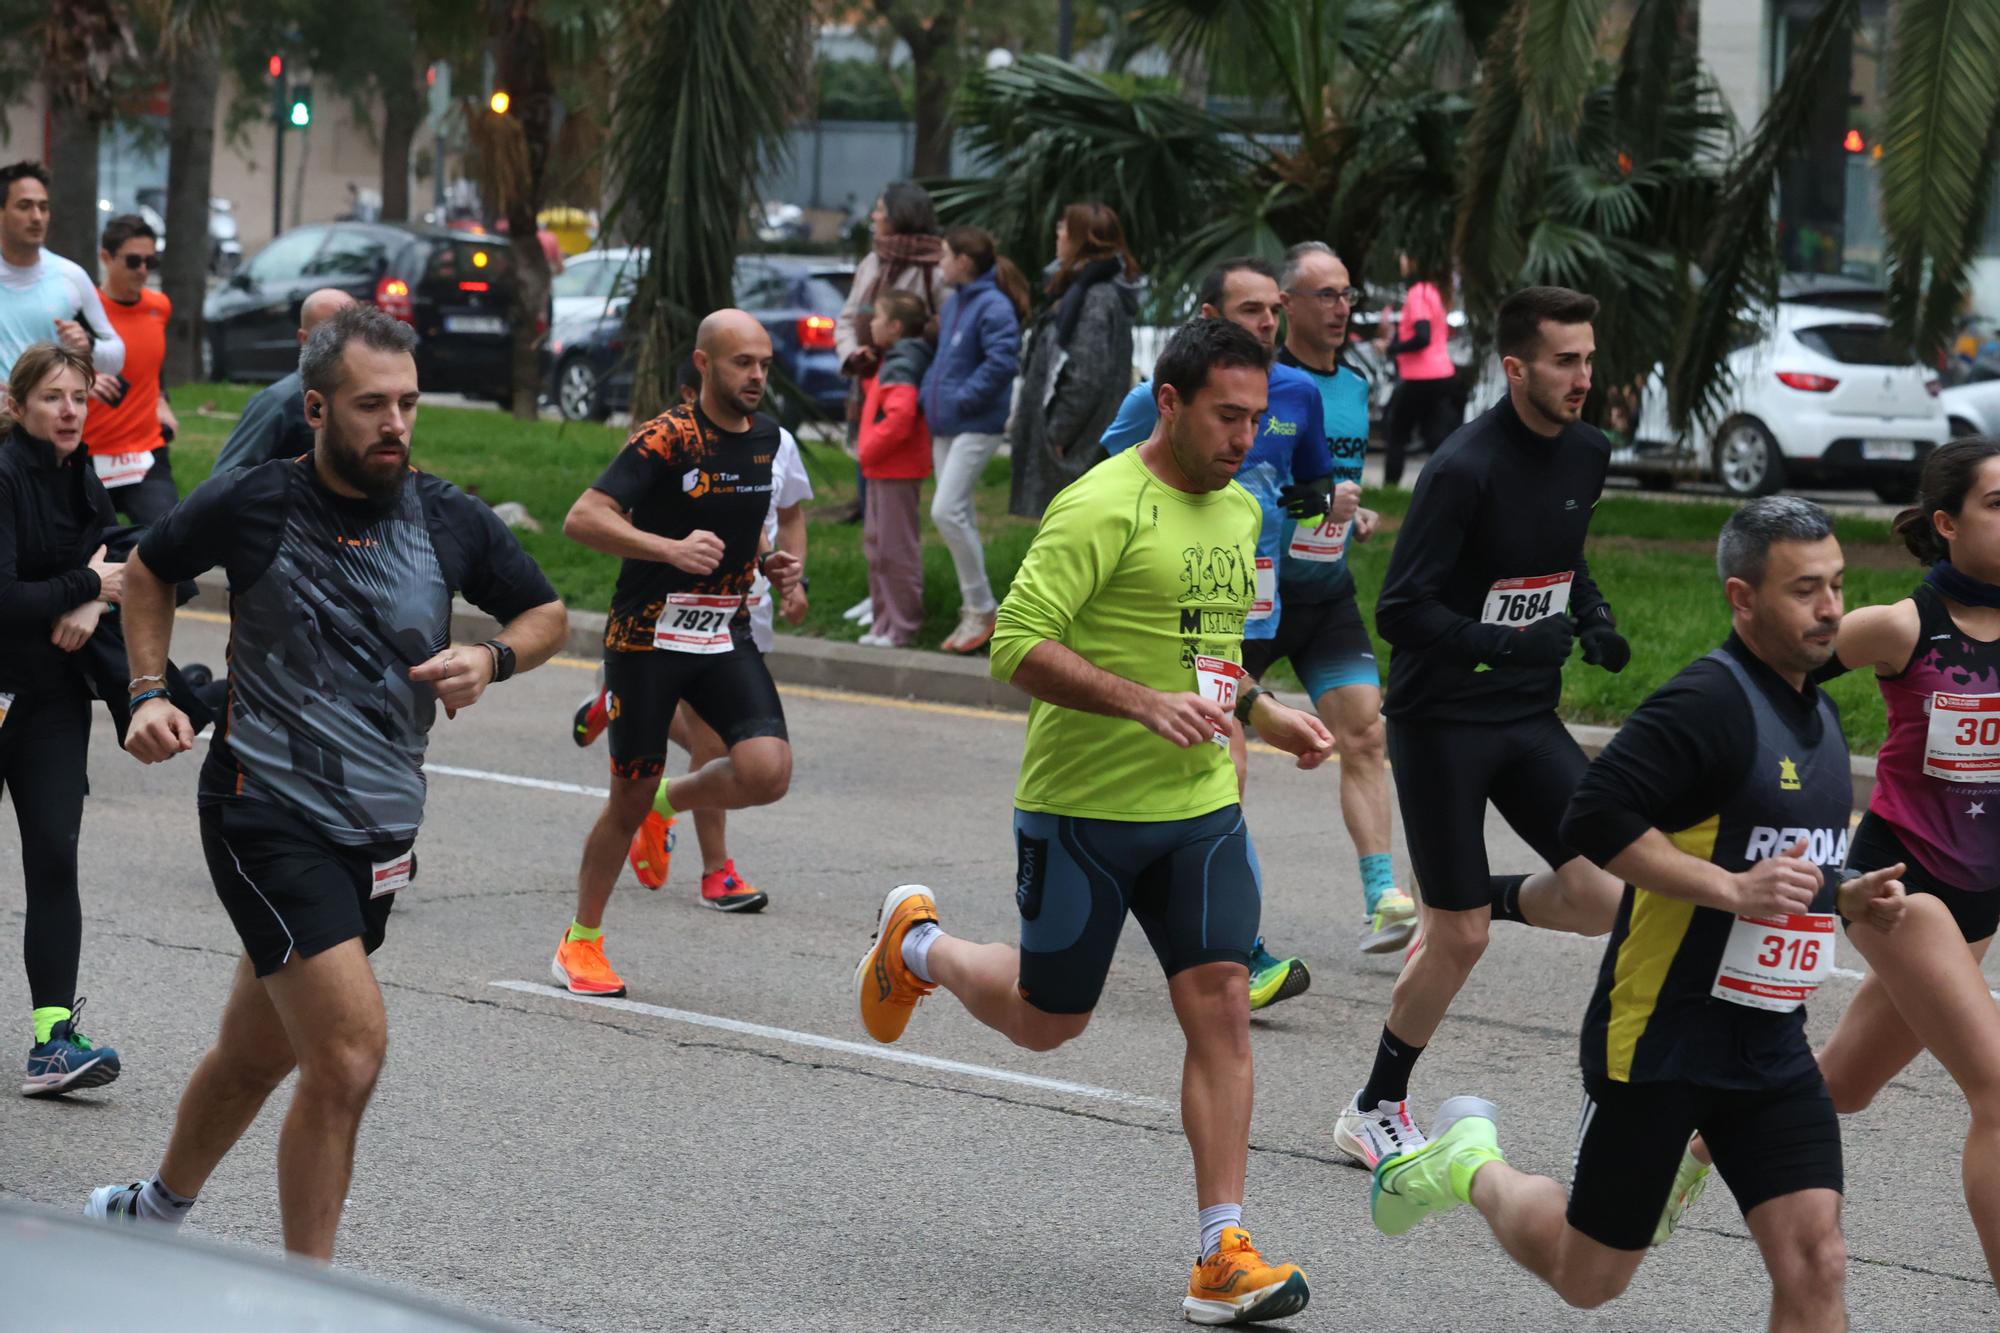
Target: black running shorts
<point>290,890</point>
<point>1876,844</point>
<point>1766,1144</point>
<point>1192,883</point>
<point>1446,772</point>
<point>733,692</point>
<point>1327,644</point>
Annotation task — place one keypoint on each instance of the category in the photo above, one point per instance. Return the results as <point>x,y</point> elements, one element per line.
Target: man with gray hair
<point>1723,804</point>
<point>273,424</point>
<point>342,565</point>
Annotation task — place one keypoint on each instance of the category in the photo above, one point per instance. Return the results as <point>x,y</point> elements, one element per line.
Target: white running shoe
<point>1370,1136</point>
<point>1392,924</point>
<point>862,612</point>
<point>116,1203</point>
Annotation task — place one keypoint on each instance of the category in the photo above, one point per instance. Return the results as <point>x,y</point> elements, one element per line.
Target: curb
<point>899,673</point>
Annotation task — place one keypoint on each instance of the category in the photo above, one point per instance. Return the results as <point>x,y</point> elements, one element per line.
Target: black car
<point>455,288</point>
<point>796,298</point>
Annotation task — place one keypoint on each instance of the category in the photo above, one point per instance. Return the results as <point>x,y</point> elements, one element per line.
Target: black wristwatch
<point>503,659</point>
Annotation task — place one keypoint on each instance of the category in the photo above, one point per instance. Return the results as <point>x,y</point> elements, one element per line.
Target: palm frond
<point>1658,44</point>
<point>1498,160</point>
<point>1937,165</point>
<point>1556,57</point>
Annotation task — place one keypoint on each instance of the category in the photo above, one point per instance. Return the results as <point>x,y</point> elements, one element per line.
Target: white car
<point>591,281</point>
<point>1973,408</point>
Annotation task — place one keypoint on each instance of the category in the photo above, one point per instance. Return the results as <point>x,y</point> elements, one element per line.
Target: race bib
<point>1519,603</point>
<point>760,593</point>
<point>122,469</point>
<point>1320,540</point>
<point>1267,589</point>
<point>6,702</point>
<point>694,623</point>
<point>1775,962</point>
<point>393,874</point>
<point>1218,678</point>
<point>1963,742</point>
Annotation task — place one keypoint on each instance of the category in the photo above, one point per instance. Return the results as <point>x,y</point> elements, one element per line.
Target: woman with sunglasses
<point>130,424</point>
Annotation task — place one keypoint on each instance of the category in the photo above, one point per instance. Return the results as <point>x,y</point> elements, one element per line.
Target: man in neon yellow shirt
<point>1125,623</point>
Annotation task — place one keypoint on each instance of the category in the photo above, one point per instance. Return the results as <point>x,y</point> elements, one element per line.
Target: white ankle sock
<point>1214,1220</point>
<point>917,941</point>
<point>157,1203</point>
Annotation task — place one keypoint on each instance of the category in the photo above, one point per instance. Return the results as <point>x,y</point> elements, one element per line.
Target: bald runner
<point>274,422</point>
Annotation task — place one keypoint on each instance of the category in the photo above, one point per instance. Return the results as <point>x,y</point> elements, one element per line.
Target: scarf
<point>893,255</point>
<point>1962,587</point>
<point>1071,308</point>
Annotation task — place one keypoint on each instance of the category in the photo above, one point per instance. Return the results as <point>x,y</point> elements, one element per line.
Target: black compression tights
<point>44,746</point>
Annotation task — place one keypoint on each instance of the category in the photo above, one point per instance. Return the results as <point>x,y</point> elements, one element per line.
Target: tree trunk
<point>522,68</point>
<point>937,78</point>
<point>73,218</point>
<point>402,118</point>
<point>190,172</point>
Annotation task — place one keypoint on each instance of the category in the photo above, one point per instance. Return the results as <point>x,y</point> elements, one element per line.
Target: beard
<point>376,479</point>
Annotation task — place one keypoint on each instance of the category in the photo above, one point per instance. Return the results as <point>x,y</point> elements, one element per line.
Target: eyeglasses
<point>1334,295</point>
<point>137,262</point>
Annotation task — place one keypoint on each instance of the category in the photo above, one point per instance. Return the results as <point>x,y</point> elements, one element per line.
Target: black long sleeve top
<point>52,518</point>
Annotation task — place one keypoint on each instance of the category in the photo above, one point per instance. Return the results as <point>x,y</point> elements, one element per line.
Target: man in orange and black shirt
<point>130,424</point>
<point>683,505</point>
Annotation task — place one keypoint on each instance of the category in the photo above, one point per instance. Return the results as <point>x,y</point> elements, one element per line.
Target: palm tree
<point>705,90</point>
<point>192,40</point>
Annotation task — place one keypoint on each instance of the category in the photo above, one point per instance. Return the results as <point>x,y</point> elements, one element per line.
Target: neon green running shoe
<point>1392,923</point>
<point>1437,1177</point>
<point>1689,1182</point>
<point>1275,979</point>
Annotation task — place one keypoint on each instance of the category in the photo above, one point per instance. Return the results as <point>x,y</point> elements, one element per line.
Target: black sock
<point>1389,1080</point>
<point>1507,897</point>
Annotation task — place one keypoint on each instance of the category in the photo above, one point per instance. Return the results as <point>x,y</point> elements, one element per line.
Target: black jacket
<point>53,516</point>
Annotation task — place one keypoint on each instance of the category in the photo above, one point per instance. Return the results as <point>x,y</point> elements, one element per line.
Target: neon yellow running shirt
<point>1138,579</point>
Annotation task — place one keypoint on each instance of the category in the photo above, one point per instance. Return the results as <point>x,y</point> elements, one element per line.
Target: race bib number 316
<point>1775,963</point>
<point>1519,603</point>
<point>692,623</point>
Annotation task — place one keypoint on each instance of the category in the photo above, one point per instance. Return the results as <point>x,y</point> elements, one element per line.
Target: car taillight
<point>816,333</point>
<point>392,298</point>
<point>1798,379</point>
<point>475,286</point>
<point>1933,386</point>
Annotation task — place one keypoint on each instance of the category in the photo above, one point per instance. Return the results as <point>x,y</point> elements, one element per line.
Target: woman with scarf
<point>905,257</point>
<point>1079,364</point>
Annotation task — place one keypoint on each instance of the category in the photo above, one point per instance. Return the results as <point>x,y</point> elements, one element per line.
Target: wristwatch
<point>503,659</point>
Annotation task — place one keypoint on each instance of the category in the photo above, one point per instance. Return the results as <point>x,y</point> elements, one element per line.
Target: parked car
<point>454,288</point>
<point>225,246</point>
<point>591,281</point>
<point>796,298</point>
<point>1973,408</point>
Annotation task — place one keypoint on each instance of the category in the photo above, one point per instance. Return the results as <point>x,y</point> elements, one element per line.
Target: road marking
<point>888,1054</point>
<point>513,780</point>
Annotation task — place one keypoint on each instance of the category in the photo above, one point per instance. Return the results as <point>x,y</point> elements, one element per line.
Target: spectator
<point>1425,376</point>
<point>1079,358</point>
<point>130,425</point>
<point>966,394</point>
<point>904,258</point>
<point>273,424</point>
<point>895,449</point>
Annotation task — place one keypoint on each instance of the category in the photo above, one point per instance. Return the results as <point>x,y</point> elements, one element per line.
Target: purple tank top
<point>1950,824</point>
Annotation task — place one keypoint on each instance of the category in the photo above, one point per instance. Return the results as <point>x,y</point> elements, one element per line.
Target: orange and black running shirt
<point>132,423</point>
<point>679,474</point>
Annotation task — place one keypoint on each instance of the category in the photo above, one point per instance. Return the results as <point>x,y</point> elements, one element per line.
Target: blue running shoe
<point>67,1062</point>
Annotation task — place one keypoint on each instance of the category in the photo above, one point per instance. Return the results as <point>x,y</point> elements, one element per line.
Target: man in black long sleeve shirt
<point>1724,801</point>
<point>1485,585</point>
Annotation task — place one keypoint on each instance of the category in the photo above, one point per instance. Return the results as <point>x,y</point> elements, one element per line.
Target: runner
<point>1124,624</point>
<point>43,295</point>
<point>1289,459</point>
<point>55,584</point>
<point>1723,801</point>
<point>683,505</point>
<point>1486,586</point>
<point>1322,632</point>
<point>130,422</point>
<point>273,424</point>
<point>341,569</point>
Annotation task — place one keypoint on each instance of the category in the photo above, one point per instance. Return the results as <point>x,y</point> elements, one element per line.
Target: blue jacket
<point>970,386</point>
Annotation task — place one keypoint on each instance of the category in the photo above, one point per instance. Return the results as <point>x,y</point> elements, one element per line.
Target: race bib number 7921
<point>693,623</point>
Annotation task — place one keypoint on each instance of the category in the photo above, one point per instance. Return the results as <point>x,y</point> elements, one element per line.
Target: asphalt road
<point>727,1150</point>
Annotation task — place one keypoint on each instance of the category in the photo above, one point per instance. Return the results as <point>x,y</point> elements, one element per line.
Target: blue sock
<point>1214,1219</point>
<point>1378,876</point>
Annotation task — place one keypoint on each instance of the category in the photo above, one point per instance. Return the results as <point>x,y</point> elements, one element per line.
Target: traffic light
<point>301,113</point>
<point>276,64</point>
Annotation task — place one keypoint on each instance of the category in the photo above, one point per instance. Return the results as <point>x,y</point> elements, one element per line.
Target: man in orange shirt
<point>130,423</point>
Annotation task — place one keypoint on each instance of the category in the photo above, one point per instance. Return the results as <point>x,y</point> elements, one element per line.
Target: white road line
<point>888,1054</point>
<point>512,780</point>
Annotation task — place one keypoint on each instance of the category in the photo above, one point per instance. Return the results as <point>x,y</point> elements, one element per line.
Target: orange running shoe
<point>1235,1286</point>
<point>722,890</point>
<point>593,715</point>
<point>580,965</point>
<point>883,982</point>
<point>653,850</point>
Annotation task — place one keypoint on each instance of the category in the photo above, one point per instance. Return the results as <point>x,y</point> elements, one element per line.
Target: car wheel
<point>1901,491</point>
<point>1960,428</point>
<point>577,396</point>
<point>1747,461</point>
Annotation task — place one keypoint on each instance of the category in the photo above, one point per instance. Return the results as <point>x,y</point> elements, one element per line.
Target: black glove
<point>1546,643</point>
<point>1603,645</point>
<point>1301,500</point>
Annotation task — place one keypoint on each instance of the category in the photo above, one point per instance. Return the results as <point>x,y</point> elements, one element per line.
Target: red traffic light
<point>276,64</point>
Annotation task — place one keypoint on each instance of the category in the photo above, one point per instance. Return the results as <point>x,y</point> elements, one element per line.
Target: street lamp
<point>500,102</point>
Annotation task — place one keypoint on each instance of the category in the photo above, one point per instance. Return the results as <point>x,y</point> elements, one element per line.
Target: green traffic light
<point>301,114</point>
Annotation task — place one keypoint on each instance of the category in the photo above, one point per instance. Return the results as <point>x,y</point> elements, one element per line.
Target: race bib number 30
<point>1963,741</point>
<point>1320,540</point>
<point>1775,962</point>
<point>1267,589</point>
<point>693,623</point>
<point>1218,678</point>
<point>1519,603</point>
